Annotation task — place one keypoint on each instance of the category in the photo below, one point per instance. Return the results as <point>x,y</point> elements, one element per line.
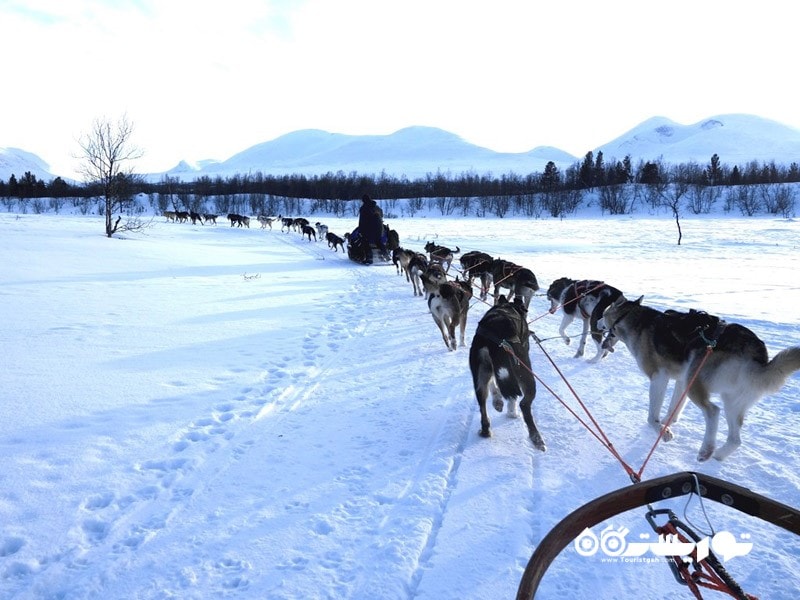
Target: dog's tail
<point>504,366</point>
<point>775,373</point>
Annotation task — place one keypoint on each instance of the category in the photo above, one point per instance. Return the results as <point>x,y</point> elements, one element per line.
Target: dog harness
<point>582,288</point>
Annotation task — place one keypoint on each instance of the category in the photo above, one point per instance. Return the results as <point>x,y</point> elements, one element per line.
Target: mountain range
<point>416,151</point>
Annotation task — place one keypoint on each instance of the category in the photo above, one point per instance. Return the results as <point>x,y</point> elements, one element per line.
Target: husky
<point>589,300</point>
<point>675,345</point>
<point>196,218</point>
<point>309,231</point>
<point>286,223</point>
<point>266,221</point>
<point>501,332</point>
<point>449,304</point>
<point>416,267</point>
<point>441,254</point>
<point>239,220</point>
<point>210,217</point>
<point>477,264</point>
<point>401,258</point>
<point>322,230</point>
<point>334,241</point>
<point>432,278</point>
<point>520,281</point>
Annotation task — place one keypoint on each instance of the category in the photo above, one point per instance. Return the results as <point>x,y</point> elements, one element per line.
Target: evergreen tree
<point>586,173</point>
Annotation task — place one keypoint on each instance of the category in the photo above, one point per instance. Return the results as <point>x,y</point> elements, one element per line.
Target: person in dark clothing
<point>370,226</point>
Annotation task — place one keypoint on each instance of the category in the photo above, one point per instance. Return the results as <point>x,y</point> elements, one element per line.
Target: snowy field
<point>206,412</point>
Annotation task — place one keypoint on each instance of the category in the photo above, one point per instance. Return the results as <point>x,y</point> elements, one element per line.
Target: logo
<point>613,543</point>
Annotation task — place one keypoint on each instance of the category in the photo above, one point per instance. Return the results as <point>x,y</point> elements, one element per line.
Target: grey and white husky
<point>674,345</point>
<point>587,300</point>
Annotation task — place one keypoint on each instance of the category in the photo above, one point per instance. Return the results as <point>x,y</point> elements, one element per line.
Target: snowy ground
<point>204,412</point>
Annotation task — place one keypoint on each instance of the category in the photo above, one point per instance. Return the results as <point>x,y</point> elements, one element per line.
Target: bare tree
<point>671,194</point>
<point>105,151</point>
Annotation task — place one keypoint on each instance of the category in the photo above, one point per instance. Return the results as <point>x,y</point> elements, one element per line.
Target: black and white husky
<point>587,300</point>
<point>520,281</point>
<point>441,254</point>
<point>499,360</point>
<point>416,268</point>
<point>675,345</point>
<point>478,264</point>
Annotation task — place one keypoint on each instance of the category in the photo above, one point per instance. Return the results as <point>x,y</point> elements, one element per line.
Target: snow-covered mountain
<point>737,139</point>
<point>417,151</point>
<point>16,161</point>
<point>413,152</point>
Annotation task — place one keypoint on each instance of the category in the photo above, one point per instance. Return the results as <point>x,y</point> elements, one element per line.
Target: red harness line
<point>597,432</point>
<point>675,410</point>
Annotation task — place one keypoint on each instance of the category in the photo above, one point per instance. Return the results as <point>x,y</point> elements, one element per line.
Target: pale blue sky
<point>209,79</point>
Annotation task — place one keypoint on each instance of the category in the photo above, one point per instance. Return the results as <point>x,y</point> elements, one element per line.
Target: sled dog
<point>416,268</point>
<point>309,231</point>
<point>441,254</point>
<point>520,281</point>
<point>587,300</point>
<point>401,259</point>
<point>494,369</point>
<point>675,345</point>
<point>334,241</point>
<point>478,264</point>
<point>449,304</point>
<point>432,277</point>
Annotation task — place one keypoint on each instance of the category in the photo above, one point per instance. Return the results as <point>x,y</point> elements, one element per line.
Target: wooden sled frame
<point>642,494</point>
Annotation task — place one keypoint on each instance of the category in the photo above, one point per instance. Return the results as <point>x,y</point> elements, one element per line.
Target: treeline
<point>617,184</point>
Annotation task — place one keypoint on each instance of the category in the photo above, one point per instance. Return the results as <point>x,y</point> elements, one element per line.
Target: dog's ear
<point>639,300</point>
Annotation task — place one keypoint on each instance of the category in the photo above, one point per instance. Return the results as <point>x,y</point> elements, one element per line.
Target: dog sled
<point>700,569</point>
<point>358,250</point>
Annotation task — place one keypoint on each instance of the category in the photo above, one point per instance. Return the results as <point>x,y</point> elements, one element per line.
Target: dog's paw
<point>498,404</point>
<point>538,443</point>
<point>667,436</point>
<point>705,453</point>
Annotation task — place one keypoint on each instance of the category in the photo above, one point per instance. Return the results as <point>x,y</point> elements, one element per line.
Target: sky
<point>207,80</point>
<point>216,412</point>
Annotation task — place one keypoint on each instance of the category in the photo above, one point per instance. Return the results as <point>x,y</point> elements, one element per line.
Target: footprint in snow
<point>11,545</point>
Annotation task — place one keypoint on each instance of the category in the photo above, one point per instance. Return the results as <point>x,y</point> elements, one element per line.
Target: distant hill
<point>18,162</point>
<point>737,139</point>
<point>416,151</point>
<point>413,152</point>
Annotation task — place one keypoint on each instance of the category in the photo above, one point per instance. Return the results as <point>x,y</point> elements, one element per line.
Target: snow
<point>205,412</point>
